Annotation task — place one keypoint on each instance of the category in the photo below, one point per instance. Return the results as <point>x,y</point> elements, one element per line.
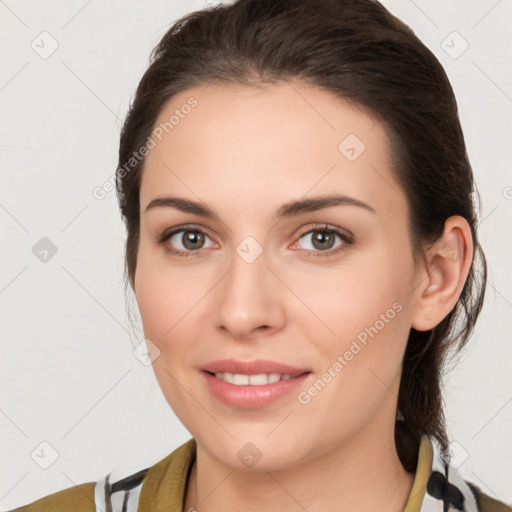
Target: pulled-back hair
<point>361,53</point>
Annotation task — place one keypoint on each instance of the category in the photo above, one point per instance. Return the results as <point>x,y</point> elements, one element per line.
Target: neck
<point>363,474</point>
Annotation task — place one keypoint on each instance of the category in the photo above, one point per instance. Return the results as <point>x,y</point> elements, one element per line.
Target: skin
<point>244,152</point>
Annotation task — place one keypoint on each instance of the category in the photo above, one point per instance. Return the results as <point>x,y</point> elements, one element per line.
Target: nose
<point>249,299</point>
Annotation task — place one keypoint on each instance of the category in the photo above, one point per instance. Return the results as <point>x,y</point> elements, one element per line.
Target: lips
<point>252,367</point>
<point>252,396</point>
<point>252,384</point>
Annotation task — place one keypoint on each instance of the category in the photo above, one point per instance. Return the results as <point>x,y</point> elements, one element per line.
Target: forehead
<point>285,137</point>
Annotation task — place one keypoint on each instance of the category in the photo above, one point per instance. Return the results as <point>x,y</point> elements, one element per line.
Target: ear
<point>443,274</point>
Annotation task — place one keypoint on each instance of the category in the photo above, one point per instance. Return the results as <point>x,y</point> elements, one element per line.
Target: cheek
<point>367,312</point>
<point>164,299</point>
<point>354,296</point>
<point>169,299</point>
<point>366,307</point>
<point>160,294</point>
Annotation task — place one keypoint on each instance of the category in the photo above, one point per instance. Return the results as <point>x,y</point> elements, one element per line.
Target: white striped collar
<point>122,494</point>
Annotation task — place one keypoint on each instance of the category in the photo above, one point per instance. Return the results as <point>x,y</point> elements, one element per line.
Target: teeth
<point>253,380</point>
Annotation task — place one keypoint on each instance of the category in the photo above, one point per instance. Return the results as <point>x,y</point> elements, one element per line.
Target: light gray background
<point>68,373</point>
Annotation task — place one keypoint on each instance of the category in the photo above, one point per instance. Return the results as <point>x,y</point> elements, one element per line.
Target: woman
<point>302,245</point>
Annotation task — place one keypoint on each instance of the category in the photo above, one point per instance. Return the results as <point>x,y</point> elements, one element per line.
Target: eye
<point>190,240</point>
<point>322,240</point>
<point>184,241</point>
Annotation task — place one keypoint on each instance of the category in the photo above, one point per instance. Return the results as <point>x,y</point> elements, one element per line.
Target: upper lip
<point>252,367</point>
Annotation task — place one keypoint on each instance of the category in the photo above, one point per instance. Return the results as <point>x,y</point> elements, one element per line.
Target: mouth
<point>251,368</point>
<point>259,379</point>
<point>254,389</point>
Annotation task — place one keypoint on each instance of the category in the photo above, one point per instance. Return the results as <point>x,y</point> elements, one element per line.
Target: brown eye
<point>191,240</point>
<point>323,240</point>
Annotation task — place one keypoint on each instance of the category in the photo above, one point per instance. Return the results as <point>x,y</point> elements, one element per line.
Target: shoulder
<point>79,498</point>
<point>105,494</point>
<point>449,485</point>
<point>155,487</point>
<point>485,503</point>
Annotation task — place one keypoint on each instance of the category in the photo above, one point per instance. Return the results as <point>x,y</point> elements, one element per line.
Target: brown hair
<point>358,51</point>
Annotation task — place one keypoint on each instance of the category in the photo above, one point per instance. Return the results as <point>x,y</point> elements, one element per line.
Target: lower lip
<point>251,397</point>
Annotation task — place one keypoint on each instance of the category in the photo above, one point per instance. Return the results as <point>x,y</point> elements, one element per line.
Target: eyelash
<point>322,228</point>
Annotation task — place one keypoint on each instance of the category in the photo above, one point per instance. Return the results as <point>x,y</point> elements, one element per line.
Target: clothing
<point>161,488</point>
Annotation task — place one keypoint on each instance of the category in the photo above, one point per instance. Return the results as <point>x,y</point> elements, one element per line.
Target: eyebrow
<point>287,210</point>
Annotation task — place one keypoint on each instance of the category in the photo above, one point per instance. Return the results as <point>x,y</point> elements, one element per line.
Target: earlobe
<point>446,268</point>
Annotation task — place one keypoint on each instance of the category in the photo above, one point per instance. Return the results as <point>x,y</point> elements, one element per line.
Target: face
<point>326,289</point>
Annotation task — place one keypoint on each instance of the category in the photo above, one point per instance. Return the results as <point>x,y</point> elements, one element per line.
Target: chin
<point>254,451</point>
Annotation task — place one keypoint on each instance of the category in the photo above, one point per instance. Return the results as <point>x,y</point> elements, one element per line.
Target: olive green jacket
<point>437,487</point>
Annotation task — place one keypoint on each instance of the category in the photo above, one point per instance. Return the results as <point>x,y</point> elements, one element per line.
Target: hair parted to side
<point>360,52</point>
